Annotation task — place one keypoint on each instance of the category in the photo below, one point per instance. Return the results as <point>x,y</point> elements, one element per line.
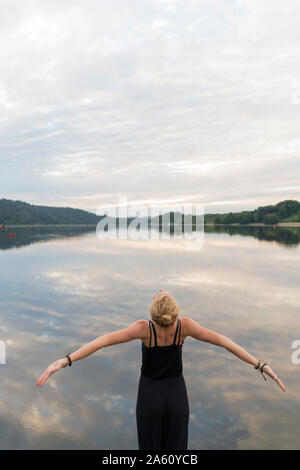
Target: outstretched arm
<point>204,334</point>
<point>134,331</point>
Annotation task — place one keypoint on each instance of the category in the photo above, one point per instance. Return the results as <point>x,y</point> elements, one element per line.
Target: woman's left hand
<point>50,370</point>
<point>267,370</point>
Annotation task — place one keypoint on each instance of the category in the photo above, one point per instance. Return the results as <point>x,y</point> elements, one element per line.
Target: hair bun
<point>167,319</point>
<point>164,310</point>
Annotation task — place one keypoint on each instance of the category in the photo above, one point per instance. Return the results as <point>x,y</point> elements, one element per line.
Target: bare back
<point>165,336</point>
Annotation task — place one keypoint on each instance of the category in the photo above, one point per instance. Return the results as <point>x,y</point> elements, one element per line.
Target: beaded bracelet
<point>260,368</point>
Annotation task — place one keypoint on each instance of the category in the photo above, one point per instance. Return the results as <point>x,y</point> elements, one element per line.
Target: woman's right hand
<point>55,366</point>
<point>267,369</point>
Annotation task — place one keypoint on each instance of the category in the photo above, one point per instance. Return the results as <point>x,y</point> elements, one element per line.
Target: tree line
<point>22,213</point>
<point>284,211</point>
<point>18,212</point>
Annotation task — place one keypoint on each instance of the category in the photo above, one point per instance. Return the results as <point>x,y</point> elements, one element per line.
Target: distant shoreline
<point>258,224</point>
<point>48,225</point>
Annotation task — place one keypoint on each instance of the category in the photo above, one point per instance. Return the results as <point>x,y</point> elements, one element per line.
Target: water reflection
<point>18,237</point>
<point>284,235</point>
<point>56,296</point>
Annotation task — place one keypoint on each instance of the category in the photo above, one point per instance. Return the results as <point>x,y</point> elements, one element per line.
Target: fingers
<point>269,371</point>
<point>43,380</point>
<point>40,379</point>
<point>44,377</point>
<point>280,383</point>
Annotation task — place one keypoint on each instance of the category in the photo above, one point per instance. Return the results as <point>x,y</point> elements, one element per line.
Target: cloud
<point>160,99</point>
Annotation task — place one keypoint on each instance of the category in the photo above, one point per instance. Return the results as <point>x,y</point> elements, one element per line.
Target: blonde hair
<point>164,310</point>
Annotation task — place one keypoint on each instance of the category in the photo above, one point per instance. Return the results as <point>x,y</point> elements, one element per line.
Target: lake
<point>61,288</point>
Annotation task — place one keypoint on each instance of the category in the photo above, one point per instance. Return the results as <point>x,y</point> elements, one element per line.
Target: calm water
<point>62,288</point>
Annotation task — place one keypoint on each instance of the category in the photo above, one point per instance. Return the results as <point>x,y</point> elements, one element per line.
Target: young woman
<point>162,408</point>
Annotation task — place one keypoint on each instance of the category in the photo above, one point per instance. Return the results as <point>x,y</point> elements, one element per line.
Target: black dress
<point>162,409</point>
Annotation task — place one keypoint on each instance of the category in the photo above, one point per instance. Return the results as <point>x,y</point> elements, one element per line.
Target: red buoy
<point>9,235</point>
<point>14,235</point>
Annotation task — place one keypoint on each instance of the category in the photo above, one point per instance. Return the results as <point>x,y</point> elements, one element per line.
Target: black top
<point>159,362</point>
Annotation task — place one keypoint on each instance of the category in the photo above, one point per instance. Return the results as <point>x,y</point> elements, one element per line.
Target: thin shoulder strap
<point>154,331</point>
<point>174,342</point>
<point>150,334</point>
<point>179,332</point>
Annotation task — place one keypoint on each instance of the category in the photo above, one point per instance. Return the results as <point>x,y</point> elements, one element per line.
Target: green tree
<point>270,219</point>
<point>229,218</point>
<point>246,218</point>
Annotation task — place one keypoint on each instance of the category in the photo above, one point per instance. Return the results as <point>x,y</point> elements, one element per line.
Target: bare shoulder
<point>141,322</point>
<point>200,332</point>
<point>185,322</point>
<point>191,327</point>
<point>140,327</point>
<point>184,319</point>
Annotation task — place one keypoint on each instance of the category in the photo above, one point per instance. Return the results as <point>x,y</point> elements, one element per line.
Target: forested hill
<point>284,211</point>
<point>21,213</point>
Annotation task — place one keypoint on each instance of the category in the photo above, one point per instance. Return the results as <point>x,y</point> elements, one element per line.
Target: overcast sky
<point>160,101</point>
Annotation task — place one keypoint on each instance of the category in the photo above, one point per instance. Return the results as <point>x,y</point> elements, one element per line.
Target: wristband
<point>258,364</point>
<point>69,360</point>
<point>260,368</point>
